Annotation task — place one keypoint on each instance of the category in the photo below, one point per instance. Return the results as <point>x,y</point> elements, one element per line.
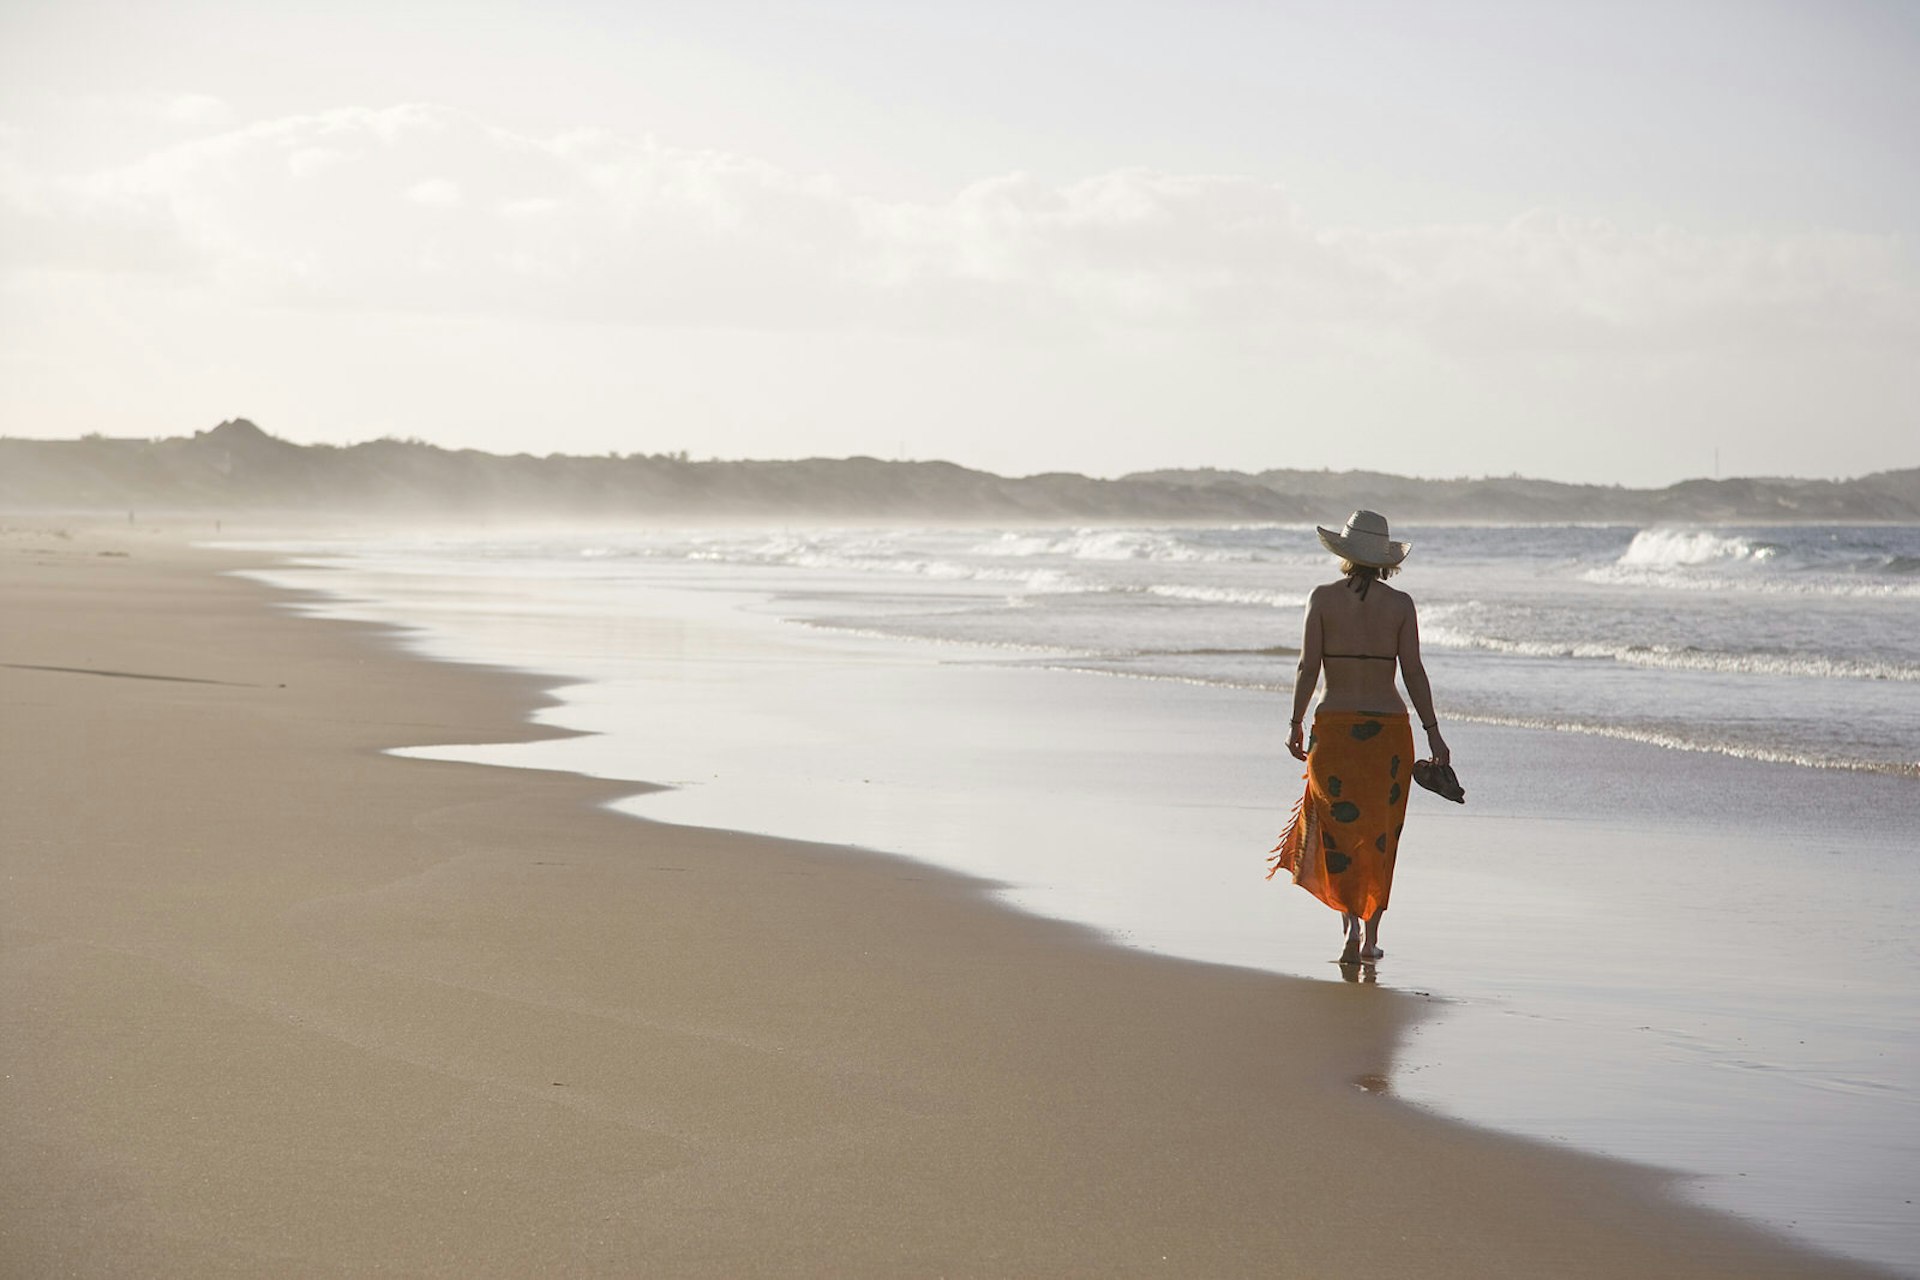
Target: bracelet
<point>1429,725</point>
<point>1294,723</point>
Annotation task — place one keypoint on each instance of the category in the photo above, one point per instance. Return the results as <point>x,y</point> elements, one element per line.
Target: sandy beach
<point>280,1004</point>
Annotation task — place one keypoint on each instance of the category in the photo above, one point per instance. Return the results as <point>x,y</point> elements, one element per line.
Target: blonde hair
<point>1378,572</point>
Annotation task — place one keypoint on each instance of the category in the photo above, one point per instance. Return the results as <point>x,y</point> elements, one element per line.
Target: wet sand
<point>1772,1070</point>
<point>278,1003</point>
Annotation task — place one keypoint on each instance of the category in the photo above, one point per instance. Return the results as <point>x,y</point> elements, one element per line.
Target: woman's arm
<point>1307,678</point>
<point>1414,673</point>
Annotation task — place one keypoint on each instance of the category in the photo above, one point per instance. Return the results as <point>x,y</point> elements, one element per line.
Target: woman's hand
<point>1437,747</point>
<point>1297,742</point>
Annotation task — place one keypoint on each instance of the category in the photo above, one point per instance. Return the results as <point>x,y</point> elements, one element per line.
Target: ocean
<point>1672,924</point>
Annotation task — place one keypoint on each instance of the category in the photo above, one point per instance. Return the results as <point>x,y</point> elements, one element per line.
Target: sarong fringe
<point>1276,858</point>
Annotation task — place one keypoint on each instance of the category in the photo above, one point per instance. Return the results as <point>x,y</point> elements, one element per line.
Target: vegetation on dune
<point>237,467</point>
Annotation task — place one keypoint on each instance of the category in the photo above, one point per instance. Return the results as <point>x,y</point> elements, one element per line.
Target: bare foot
<point>1371,951</point>
<point>1352,954</point>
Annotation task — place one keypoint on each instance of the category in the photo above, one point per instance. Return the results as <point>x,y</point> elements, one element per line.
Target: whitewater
<point>1798,644</point>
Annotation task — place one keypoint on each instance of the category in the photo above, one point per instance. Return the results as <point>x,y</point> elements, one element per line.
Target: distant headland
<point>238,468</point>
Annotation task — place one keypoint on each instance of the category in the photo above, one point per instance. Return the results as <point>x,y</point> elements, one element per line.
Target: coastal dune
<point>278,1003</point>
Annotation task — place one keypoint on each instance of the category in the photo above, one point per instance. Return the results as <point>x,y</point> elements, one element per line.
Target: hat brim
<point>1371,550</point>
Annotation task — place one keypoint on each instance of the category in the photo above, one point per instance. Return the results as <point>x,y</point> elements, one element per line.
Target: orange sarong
<point>1346,829</point>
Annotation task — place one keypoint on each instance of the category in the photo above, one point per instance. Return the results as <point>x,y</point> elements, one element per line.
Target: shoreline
<point>283,998</point>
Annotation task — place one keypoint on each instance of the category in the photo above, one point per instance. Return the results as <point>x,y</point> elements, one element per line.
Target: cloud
<point>309,162</point>
<point>435,192</point>
<point>193,109</point>
<point>529,207</point>
<point>423,208</point>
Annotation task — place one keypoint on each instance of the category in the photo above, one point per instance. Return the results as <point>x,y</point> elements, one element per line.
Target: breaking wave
<point>1227,595</point>
<point>1671,548</point>
<point>1789,562</point>
<point>1113,544</point>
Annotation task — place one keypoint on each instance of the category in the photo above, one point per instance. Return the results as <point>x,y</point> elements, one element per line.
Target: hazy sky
<point>1587,241</point>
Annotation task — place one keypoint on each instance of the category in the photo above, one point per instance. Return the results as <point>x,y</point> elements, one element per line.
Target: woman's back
<point>1360,644</point>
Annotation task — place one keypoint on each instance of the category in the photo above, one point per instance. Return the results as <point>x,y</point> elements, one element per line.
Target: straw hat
<point>1365,541</point>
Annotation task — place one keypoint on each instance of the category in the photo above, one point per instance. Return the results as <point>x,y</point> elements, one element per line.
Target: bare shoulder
<point>1401,602</point>
<point>1324,592</point>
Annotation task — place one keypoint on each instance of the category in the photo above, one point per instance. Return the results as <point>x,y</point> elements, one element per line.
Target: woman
<point>1345,831</point>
